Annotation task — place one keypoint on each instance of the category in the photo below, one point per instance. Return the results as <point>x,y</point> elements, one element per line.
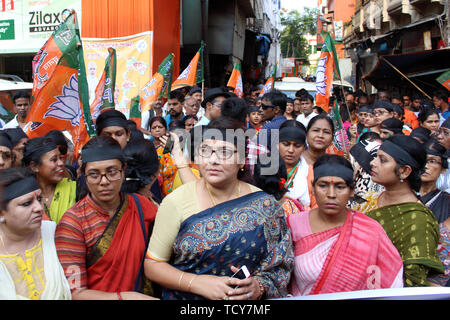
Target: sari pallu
<point>414,231</point>
<point>114,263</point>
<point>361,257</point>
<point>250,231</point>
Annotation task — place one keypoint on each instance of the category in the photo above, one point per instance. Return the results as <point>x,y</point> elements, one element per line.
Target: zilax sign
<point>46,22</point>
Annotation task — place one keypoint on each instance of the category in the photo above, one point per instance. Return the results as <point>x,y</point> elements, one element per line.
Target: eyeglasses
<point>434,162</point>
<point>444,133</point>
<point>266,106</point>
<point>379,113</point>
<point>5,155</point>
<point>221,153</point>
<point>111,175</point>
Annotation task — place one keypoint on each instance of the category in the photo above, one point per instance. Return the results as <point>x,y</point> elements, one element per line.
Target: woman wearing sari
<point>29,265</point>
<point>337,249</point>
<point>411,226</point>
<point>292,143</point>
<point>102,239</point>
<point>439,202</point>
<point>207,229</point>
<point>319,137</point>
<point>44,157</point>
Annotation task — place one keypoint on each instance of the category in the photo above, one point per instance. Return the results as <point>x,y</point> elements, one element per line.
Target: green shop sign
<point>7,30</point>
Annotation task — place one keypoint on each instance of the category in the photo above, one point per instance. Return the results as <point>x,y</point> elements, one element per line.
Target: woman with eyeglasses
<point>7,157</point>
<point>44,158</point>
<point>101,240</point>
<point>207,229</point>
<point>29,265</point>
<point>412,227</point>
<point>439,202</point>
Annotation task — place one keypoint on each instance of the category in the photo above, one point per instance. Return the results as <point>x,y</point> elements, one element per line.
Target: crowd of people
<point>210,185</point>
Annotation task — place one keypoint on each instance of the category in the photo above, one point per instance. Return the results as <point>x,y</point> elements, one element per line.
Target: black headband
<point>400,155</point>
<point>292,134</point>
<point>102,153</point>
<point>19,188</point>
<point>5,142</point>
<point>334,170</point>
<point>39,150</point>
<point>112,122</point>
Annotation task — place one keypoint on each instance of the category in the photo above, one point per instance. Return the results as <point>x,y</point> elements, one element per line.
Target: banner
<point>25,25</point>
<point>134,65</point>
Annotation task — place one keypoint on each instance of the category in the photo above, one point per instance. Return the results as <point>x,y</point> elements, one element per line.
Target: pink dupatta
<point>362,257</point>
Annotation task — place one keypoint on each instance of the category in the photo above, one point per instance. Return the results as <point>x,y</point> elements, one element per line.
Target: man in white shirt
<point>21,100</point>
<point>307,109</point>
<point>212,104</point>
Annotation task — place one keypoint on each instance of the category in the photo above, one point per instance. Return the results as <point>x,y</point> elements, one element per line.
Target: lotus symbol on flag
<point>68,105</point>
<point>321,85</point>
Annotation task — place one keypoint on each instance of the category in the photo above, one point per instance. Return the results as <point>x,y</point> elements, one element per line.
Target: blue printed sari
<point>250,230</point>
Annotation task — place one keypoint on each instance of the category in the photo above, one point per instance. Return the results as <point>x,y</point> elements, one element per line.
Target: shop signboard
<point>25,25</point>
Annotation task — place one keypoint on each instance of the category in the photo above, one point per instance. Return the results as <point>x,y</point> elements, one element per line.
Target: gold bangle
<point>261,290</point>
<point>190,283</point>
<point>179,280</point>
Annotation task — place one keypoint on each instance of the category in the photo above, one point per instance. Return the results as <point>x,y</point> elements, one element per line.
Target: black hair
<point>177,94</point>
<point>293,123</point>
<point>15,135</point>
<point>187,117</point>
<point>425,113</point>
<point>441,94</point>
<point>370,136</point>
<point>142,164</point>
<point>319,117</point>
<point>176,124</point>
<point>421,133</point>
<point>396,95</point>
<point>276,98</point>
<point>20,94</point>
<point>289,100</point>
<point>235,108</point>
<point>417,151</point>
<point>29,154</point>
<point>385,92</point>
<point>10,176</point>
<point>333,159</point>
<point>157,119</point>
<point>434,145</point>
<point>307,97</point>
<point>301,92</point>
<point>270,183</point>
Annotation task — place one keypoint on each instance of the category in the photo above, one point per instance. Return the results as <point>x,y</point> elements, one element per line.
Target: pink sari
<point>361,257</point>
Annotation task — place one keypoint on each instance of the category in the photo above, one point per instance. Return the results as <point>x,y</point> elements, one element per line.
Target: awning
<point>422,68</point>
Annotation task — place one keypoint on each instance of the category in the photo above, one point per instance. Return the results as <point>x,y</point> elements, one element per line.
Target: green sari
<point>63,199</point>
<point>414,231</point>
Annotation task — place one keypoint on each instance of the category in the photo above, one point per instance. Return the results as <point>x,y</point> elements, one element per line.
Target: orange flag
<point>60,92</point>
<point>193,74</point>
<point>235,80</point>
<point>158,84</point>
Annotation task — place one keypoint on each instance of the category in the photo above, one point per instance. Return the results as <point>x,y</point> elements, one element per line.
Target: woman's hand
<point>133,295</point>
<point>211,287</point>
<point>176,152</point>
<point>248,289</point>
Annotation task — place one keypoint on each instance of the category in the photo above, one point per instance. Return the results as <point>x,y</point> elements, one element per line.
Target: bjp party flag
<point>193,74</point>
<point>159,84</point>
<point>235,80</point>
<point>60,92</point>
<point>444,79</point>
<point>268,86</point>
<point>104,92</point>
<point>327,66</point>
<point>135,111</point>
